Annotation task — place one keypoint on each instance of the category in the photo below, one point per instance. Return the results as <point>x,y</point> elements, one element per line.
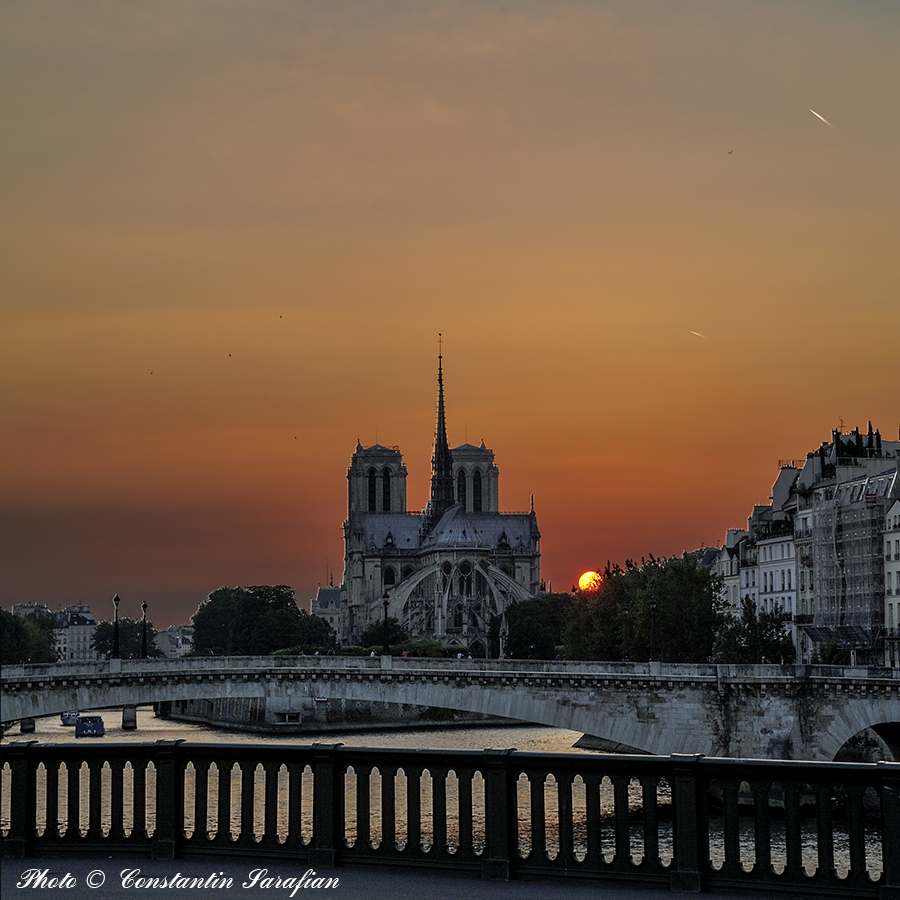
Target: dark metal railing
<point>689,822</point>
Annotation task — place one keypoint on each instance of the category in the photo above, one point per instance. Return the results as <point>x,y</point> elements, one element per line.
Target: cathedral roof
<point>377,448</point>
<point>458,528</point>
<point>326,595</point>
<point>480,449</point>
<point>402,528</point>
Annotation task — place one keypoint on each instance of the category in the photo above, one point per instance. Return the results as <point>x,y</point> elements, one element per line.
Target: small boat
<point>89,726</point>
<point>69,717</point>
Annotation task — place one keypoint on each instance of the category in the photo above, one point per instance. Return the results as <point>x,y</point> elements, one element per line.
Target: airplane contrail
<point>822,118</point>
<point>698,334</point>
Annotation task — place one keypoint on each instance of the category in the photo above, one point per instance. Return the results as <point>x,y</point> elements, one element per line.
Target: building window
<point>390,577</point>
<point>476,492</point>
<point>372,491</point>
<point>461,489</point>
<point>465,579</point>
<point>386,491</point>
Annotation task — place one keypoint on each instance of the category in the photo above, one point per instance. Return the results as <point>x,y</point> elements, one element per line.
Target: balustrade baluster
<point>464,803</point>
<point>201,800</point>
<point>73,801</point>
<point>439,809</point>
<point>363,805</point>
<point>271,805</point>
<point>414,809</point>
<point>731,820</point>
<point>388,808</point>
<point>651,822</point>
<point>117,798</point>
<point>857,835</point>
<point>537,781</point>
<point>223,801</point>
<point>248,798</point>
<point>139,800</point>
<point>564,817</point>
<point>761,829</point>
<point>594,815</point>
<point>825,834</point>
<point>95,804</point>
<point>52,769</point>
<point>792,829</point>
<point>623,837</point>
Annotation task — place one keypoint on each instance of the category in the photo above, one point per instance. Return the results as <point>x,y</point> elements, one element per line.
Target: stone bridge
<point>760,711</point>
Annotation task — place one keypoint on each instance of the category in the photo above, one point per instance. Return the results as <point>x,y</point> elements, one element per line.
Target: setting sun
<point>590,581</point>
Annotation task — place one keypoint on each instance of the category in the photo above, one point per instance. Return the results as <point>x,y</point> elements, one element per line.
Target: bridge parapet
<point>685,821</point>
<point>746,672</point>
<point>771,711</point>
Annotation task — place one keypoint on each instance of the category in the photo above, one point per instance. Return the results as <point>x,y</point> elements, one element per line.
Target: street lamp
<point>144,630</point>
<point>625,637</point>
<point>115,649</point>
<point>387,647</point>
<point>653,630</point>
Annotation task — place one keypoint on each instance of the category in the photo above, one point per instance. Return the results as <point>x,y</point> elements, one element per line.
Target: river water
<point>526,738</point>
<point>530,738</point>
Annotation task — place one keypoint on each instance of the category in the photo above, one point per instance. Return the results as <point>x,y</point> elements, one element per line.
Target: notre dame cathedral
<point>444,572</point>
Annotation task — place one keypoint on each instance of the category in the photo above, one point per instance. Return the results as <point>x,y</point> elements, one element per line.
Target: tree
<point>373,636</point>
<point>26,638</point>
<point>831,654</point>
<point>753,637</point>
<point>595,624</point>
<point>672,602</point>
<point>256,621</point>
<point>130,638</point>
<point>213,620</point>
<point>535,626</point>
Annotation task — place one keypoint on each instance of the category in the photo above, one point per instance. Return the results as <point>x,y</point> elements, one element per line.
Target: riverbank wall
<point>309,715</point>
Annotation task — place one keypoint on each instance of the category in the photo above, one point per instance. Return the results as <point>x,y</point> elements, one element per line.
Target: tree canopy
<point>753,637</point>
<point>130,638</point>
<point>373,636</point>
<point>675,600</point>
<point>535,626</point>
<point>26,638</point>
<point>257,620</point>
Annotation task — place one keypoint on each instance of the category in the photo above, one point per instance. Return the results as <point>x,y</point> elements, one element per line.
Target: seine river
<point>531,738</point>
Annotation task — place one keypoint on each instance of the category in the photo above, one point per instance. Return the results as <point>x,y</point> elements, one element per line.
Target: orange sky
<point>232,231</point>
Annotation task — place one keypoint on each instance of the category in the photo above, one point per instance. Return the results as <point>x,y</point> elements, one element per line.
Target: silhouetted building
<point>444,572</point>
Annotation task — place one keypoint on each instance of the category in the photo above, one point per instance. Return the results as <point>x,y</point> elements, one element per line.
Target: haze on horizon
<point>232,232</point>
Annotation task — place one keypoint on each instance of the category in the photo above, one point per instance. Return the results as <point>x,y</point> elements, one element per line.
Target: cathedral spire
<point>441,463</point>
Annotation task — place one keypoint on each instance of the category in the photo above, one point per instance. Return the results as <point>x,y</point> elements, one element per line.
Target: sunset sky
<point>232,231</point>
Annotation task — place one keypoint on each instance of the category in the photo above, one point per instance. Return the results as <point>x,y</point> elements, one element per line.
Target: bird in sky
<point>730,152</point>
<point>822,118</point>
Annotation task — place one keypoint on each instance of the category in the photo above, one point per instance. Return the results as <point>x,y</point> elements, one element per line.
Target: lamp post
<point>387,647</point>
<point>144,630</point>
<point>625,637</point>
<point>115,649</point>
<point>653,630</point>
